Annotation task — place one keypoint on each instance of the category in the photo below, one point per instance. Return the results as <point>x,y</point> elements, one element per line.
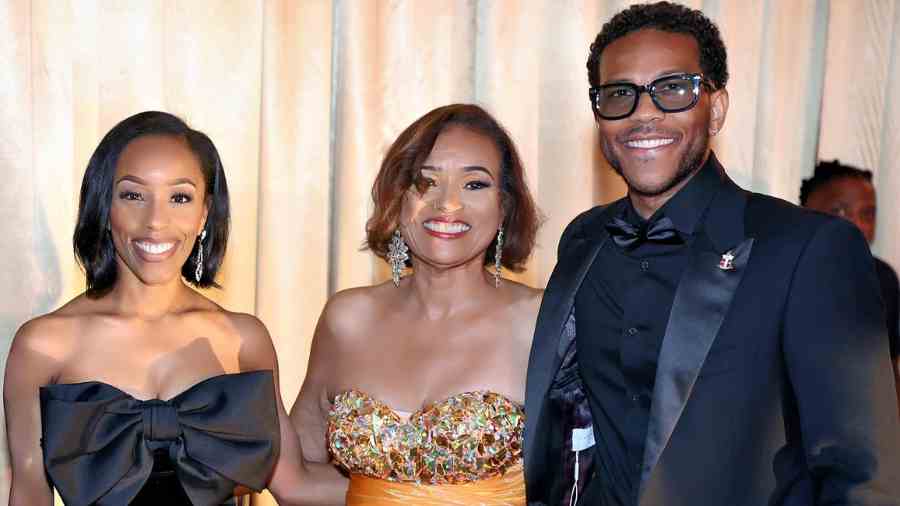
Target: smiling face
<point>452,213</point>
<point>158,208</point>
<point>656,152</point>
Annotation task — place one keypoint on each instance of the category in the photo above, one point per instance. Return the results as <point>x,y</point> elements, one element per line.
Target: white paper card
<point>582,438</point>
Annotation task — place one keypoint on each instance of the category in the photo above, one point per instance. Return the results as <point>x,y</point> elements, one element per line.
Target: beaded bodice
<point>466,437</point>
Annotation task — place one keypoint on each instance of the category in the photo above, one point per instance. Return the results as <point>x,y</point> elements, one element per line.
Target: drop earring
<point>398,254</point>
<point>198,272</point>
<point>498,253</point>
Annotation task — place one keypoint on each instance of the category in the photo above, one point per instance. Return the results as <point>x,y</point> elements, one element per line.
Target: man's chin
<point>650,189</point>
<point>643,185</point>
<point>646,182</point>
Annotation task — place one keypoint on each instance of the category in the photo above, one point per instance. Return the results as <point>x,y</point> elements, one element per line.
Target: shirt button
<point>631,331</point>
<point>645,265</point>
<point>635,397</point>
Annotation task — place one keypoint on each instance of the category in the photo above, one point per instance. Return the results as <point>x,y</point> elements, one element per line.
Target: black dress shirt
<point>621,313</point>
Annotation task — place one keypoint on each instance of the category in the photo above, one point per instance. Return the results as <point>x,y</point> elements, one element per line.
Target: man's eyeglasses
<point>673,93</point>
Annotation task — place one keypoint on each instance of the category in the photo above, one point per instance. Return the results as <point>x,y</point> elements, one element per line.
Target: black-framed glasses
<point>674,93</point>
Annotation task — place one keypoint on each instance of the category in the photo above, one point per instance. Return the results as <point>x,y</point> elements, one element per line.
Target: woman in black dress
<point>141,390</point>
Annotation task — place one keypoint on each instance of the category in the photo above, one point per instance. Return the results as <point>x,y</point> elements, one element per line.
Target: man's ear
<point>718,110</point>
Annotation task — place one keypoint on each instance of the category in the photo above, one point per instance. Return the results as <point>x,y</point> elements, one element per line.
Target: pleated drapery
<point>303,97</point>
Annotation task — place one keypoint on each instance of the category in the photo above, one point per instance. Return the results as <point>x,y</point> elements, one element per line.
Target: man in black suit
<point>731,346</point>
<point>848,192</point>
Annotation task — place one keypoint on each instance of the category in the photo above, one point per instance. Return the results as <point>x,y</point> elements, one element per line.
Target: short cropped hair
<point>827,172</point>
<point>93,244</point>
<point>666,17</point>
<point>402,165</point>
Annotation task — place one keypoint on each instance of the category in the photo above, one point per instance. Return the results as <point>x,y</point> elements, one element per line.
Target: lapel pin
<point>726,263</point>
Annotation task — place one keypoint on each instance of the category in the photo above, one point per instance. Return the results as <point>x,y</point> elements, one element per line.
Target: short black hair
<point>666,17</point>
<point>829,171</point>
<point>94,248</point>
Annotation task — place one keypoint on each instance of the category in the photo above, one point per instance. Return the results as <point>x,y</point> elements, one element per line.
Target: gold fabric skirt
<point>505,490</point>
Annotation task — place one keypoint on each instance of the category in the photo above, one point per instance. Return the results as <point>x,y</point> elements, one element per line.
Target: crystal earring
<point>498,253</point>
<point>198,272</point>
<point>398,254</point>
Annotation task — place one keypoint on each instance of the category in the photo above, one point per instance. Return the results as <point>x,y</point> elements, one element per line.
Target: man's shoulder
<point>769,217</point>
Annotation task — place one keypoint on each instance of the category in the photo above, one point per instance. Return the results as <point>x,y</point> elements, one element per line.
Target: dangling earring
<point>398,254</point>
<point>498,253</point>
<point>198,272</point>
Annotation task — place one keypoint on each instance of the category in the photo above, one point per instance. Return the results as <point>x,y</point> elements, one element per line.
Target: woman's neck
<point>132,298</point>
<point>444,292</point>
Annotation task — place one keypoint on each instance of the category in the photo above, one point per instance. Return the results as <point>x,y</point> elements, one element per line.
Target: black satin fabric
<point>103,447</point>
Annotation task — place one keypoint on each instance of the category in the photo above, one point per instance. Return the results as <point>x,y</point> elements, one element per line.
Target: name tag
<point>582,438</point>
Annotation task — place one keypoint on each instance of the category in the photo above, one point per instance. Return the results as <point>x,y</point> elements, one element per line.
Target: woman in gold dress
<point>415,386</point>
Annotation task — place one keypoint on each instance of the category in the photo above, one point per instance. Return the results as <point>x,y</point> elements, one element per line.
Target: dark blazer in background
<point>890,294</point>
<point>773,383</point>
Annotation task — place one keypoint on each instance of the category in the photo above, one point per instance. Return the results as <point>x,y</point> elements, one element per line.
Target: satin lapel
<point>551,341</point>
<point>701,302</point>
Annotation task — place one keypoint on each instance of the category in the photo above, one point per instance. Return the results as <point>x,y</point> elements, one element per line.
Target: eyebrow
<point>665,73</point>
<point>469,168</point>
<point>174,182</point>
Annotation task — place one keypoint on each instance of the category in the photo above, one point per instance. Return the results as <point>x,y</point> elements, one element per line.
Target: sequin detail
<point>464,438</point>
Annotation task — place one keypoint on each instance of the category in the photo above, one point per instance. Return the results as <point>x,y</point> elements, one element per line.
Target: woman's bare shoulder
<point>256,350</point>
<point>50,338</point>
<point>525,298</point>
<point>349,313</point>
<point>522,311</point>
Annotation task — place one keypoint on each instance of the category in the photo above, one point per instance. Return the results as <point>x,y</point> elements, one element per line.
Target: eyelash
<point>178,198</point>
<point>182,198</point>
<point>427,182</point>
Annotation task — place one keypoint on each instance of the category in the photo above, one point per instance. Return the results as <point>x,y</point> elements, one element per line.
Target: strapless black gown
<point>103,447</point>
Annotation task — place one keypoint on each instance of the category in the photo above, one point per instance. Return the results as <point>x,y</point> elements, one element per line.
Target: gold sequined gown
<point>463,450</point>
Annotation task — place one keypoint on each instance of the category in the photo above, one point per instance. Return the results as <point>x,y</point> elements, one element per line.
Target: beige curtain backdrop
<point>304,97</point>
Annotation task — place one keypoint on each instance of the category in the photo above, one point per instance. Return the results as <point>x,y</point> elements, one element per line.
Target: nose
<point>646,110</point>
<point>449,200</point>
<point>157,216</point>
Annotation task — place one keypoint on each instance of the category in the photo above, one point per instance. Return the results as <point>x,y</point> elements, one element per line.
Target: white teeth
<point>649,143</point>
<point>155,248</point>
<point>447,228</point>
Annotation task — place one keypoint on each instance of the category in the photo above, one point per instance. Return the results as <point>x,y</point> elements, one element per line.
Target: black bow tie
<point>629,236</point>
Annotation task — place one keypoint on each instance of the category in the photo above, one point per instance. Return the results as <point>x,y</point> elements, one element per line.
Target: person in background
<point>846,191</point>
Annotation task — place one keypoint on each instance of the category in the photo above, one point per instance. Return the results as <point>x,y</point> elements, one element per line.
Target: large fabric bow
<point>220,432</point>
<point>629,236</point>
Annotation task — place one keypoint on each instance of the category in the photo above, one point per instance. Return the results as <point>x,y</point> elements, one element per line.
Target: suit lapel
<point>551,338</point>
<point>701,302</point>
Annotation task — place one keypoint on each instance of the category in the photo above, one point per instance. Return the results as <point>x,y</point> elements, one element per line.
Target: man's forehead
<point>647,54</point>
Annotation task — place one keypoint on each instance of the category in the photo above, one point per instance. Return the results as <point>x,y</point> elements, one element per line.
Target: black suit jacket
<point>773,383</point>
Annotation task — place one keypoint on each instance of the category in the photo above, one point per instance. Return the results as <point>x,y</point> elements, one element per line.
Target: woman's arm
<point>294,481</point>
<point>30,365</point>
<point>309,413</point>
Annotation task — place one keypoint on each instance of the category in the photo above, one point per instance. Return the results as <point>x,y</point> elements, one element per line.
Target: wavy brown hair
<point>403,162</point>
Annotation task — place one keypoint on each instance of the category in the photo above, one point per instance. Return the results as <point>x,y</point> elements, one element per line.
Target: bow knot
<point>99,442</point>
<point>160,421</point>
<point>629,236</point>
